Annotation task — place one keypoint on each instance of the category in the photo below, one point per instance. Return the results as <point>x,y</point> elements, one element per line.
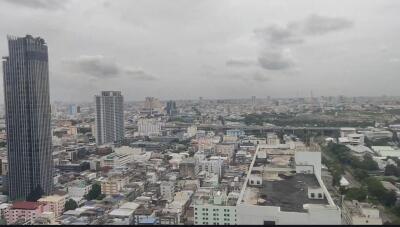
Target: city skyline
<point>205,112</point>
<point>261,48</point>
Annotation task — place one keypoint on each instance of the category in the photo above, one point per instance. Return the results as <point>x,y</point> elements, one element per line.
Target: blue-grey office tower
<point>28,115</point>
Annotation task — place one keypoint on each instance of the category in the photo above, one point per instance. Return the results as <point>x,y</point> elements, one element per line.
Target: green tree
<point>391,170</point>
<point>35,194</point>
<point>389,198</point>
<point>359,194</point>
<point>375,187</point>
<point>70,205</point>
<point>360,174</point>
<point>94,192</point>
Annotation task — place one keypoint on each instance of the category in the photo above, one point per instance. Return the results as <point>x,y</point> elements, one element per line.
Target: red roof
<point>25,205</point>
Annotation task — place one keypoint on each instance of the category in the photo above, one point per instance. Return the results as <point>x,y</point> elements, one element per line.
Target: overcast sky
<point>180,49</point>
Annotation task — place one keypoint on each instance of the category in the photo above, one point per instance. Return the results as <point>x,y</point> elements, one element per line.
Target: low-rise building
<point>167,190</point>
<point>24,211</point>
<point>356,213</point>
<point>56,203</point>
<point>113,185</point>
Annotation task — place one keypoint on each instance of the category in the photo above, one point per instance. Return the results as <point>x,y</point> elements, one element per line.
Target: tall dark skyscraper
<point>28,115</point>
<point>171,108</point>
<point>109,117</point>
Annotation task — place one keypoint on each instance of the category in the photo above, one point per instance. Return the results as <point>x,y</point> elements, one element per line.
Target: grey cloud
<point>317,25</point>
<point>98,66</point>
<point>259,77</point>
<point>274,38</point>
<point>279,35</point>
<point>139,74</point>
<point>40,4</point>
<point>276,59</point>
<point>239,63</point>
<point>95,66</point>
<point>394,60</point>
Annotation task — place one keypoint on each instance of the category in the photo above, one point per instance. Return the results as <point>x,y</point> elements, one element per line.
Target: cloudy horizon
<point>182,49</point>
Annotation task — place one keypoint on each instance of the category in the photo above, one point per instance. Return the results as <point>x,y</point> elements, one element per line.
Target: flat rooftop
<point>289,193</point>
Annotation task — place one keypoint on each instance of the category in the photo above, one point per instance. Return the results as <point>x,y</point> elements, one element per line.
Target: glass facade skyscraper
<point>28,116</point>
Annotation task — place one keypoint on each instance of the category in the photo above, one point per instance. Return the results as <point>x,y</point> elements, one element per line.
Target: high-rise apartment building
<point>149,127</point>
<point>109,117</point>
<point>253,100</point>
<point>28,115</point>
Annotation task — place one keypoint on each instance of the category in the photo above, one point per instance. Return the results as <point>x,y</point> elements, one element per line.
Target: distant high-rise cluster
<point>152,105</point>
<point>171,108</point>
<point>28,115</point>
<point>109,117</point>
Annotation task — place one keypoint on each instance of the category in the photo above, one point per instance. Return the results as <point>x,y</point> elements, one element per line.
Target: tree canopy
<point>35,194</point>
<point>70,205</point>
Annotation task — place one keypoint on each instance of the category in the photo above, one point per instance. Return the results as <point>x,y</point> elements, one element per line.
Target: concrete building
<point>149,127</point>
<point>286,195</point>
<point>116,160</point>
<point>55,203</point>
<point>167,190</point>
<point>113,185</point>
<point>273,139</point>
<point>78,189</point>
<point>27,105</point>
<point>191,131</point>
<point>187,168</point>
<point>180,204</point>
<point>356,213</point>
<point>353,139</point>
<point>376,133</point>
<point>235,132</point>
<point>214,208</point>
<point>23,212</point>
<point>346,131</point>
<point>124,214</point>
<point>210,166</point>
<point>109,117</point>
<point>225,150</point>
<point>386,151</point>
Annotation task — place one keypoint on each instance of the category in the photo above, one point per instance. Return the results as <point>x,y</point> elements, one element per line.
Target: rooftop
<point>289,193</point>
<point>25,205</point>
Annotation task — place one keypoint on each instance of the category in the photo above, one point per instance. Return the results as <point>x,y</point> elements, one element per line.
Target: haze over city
<point>200,112</point>
<point>213,49</point>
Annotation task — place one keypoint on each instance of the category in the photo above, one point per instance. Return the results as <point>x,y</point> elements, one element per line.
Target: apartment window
<point>319,195</point>
<point>312,195</point>
<point>258,182</point>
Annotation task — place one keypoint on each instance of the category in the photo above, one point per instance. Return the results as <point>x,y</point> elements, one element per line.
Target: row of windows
<point>313,195</point>
<point>214,223</point>
<point>216,209</point>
